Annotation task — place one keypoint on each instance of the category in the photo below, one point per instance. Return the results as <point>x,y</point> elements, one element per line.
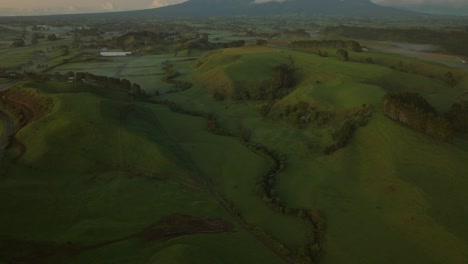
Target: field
<point>144,70</point>
<point>108,185</point>
<point>381,185</point>
<point>174,177</point>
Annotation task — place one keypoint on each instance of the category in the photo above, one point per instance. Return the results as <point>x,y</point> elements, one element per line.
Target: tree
<point>342,55</point>
<point>52,37</point>
<point>449,79</point>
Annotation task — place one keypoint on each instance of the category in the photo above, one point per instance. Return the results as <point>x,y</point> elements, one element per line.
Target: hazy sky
<point>25,7</point>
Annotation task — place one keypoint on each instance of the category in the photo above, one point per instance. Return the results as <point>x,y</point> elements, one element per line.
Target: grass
<point>145,70</point>
<point>397,183</point>
<point>15,57</point>
<point>391,196</point>
<point>114,179</point>
<point>391,191</point>
<point>234,170</point>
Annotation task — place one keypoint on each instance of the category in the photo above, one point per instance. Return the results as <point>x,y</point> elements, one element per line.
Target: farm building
<point>115,53</point>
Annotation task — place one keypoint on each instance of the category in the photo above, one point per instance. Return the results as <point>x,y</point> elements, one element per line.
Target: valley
<point>236,140</point>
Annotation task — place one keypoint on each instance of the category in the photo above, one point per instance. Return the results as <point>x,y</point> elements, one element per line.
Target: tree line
<point>414,111</point>
<point>339,44</point>
<point>314,248</point>
<point>279,85</point>
<point>107,82</point>
<point>342,135</point>
<point>171,74</point>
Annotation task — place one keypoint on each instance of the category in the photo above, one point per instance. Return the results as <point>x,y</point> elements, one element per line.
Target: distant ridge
<point>210,8</point>
<point>216,8</point>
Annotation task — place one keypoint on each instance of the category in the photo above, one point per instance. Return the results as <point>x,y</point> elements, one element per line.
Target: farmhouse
<point>115,53</point>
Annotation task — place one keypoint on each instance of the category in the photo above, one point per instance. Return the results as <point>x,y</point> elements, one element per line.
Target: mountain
<point>218,8</point>
<point>208,8</point>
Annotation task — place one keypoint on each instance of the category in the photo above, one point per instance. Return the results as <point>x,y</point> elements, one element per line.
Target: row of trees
<point>171,74</point>
<point>265,190</point>
<point>302,114</point>
<point>279,85</point>
<point>133,89</point>
<point>342,135</point>
<point>203,43</point>
<point>413,110</point>
<point>340,44</point>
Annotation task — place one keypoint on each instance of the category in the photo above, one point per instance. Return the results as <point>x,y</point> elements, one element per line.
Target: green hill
<point>391,190</point>
<point>95,174</point>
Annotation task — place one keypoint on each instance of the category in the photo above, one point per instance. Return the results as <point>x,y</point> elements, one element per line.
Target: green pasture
<point>144,70</point>
<point>233,169</point>
<point>14,57</point>
<point>393,194</point>
<point>116,178</point>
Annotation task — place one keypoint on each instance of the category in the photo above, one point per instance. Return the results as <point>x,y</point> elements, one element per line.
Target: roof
<point>115,53</point>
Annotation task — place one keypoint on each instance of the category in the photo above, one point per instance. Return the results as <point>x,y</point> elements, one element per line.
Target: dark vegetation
<point>413,110</point>
<point>342,55</point>
<point>342,135</point>
<point>202,42</point>
<point>339,44</point>
<point>278,86</point>
<point>144,40</point>
<point>265,190</point>
<point>171,74</point>
<point>302,114</point>
<point>314,248</point>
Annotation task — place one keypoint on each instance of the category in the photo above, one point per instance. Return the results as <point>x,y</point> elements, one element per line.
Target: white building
<point>115,53</point>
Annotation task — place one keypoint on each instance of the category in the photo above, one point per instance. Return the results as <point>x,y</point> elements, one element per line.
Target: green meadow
<point>391,191</point>
<point>117,177</point>
<point>100,167</point>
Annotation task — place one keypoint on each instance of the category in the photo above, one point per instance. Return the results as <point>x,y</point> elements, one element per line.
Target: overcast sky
<point>26,7</point>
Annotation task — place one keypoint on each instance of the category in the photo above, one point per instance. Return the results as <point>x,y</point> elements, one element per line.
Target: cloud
<point>107,6</point>
<point>267,1</point>
<point>161,3</point>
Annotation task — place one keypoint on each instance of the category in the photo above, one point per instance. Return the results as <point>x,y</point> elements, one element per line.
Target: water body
<point>314,34</point>
<point>427,52</point>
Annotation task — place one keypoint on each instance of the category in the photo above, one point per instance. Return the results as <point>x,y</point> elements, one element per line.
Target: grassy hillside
<point>117,177</point>
<point>108,179</point>
<point>391,190</point>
